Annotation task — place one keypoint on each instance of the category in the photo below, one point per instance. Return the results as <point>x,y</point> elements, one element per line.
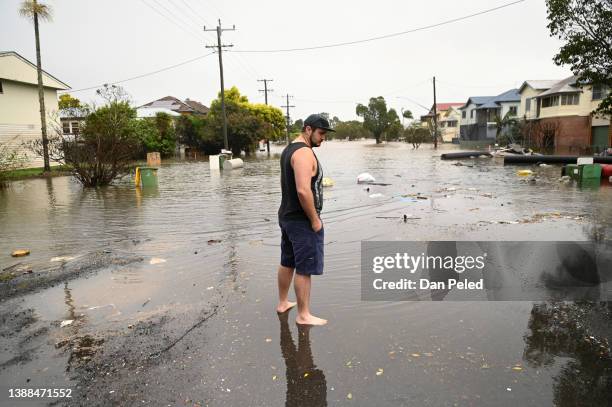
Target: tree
<point>351,130</point>
<point>187,131</point>
<point>68,102</point>
<point>158,134</point>
<point>10,159</point>
<point>247,123</point>
<point>105,148</point>
<point>33,10</point>
<point>505,128</point>
<point>586,28</point>
<point>407,114</point>
<point>376,117</point>
<point>416,134</point>
<point>297,125</point>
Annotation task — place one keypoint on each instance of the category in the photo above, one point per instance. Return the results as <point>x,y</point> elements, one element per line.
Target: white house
<point>19,107</point>
<point>480,115</point>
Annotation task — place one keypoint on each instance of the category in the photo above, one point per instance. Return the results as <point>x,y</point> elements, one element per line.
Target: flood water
<point>213,237</point>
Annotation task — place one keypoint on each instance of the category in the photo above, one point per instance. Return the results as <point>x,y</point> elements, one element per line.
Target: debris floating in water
<point>20,253</point>
<point>157,260</point>
<point>365,178</point>
<point>62,258</point>
<point>328,182</point>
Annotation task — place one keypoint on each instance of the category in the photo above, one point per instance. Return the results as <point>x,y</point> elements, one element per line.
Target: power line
<point>381,37</point>
<point>170,20</point>
<point>140,76</point>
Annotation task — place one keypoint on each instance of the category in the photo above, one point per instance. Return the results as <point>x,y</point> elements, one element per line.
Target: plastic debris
<point>20,253</point>
<point>365,178</point>
<point>213,241</point>
<point>157,260</point>
<point>376,196</point>
<point>268,340</point>
<point>524,173</point>
<point>328,182</point>
<point>349,396</point>
<point>66,322</point>
<point>62,258</point>
<point>379,372</point>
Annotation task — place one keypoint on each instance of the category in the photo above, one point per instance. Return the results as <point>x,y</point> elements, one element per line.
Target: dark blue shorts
<point>301,247</point>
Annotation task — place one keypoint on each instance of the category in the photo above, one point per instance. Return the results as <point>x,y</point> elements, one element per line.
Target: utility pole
<point>220,47</point>
<point>265,89</point>
<point>435,117</point>
<point>288,117</point>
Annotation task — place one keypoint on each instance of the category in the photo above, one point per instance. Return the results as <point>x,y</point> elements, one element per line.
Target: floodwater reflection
<point>306,385</point>
<point>576,331</point>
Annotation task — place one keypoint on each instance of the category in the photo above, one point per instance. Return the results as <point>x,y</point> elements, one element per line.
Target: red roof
<point>445,106</point>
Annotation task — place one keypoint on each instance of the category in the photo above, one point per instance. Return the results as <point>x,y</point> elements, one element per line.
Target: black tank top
<point>290,207</point>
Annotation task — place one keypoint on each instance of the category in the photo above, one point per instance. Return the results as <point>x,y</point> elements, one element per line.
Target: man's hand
<point>317,225</point>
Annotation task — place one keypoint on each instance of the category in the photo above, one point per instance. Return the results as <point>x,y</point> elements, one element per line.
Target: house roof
<point>11,71</point>
<point>539,84</point>
<point>567,85</point>
<point>197,106</point>
<point>477,100</point>
<point>171,103</point>
<point>143,112</point>
<point>445,106</point>
<point>509,96</point>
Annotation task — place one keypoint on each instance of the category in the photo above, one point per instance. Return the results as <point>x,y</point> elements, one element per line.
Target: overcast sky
<point>90,42</point>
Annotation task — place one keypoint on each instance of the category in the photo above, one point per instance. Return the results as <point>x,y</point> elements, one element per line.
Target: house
<point>563,120</point>
<point>448,117</point>
<point>149,112</point>
<point>528,91</point>
<point>199,108</point>
<point>481,115</point>
<point>19,106</point>
<point>188,107</point>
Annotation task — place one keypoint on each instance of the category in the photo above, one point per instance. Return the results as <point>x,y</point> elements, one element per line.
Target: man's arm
<point>302,162</point>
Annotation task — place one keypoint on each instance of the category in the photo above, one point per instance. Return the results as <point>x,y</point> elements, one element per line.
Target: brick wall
<point>573,134</point>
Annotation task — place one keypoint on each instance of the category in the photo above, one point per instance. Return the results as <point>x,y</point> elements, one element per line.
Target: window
<point>599,91</point>
<point>570,99</point>
<point>550,101</point>
<point>66,127</point>
<point>527,104</point>
<point>463,114</point>
<point>451,123</point>
<point>512,111</point>
<point>471,114</point>
<point>1,91</point>
<point>75,127</point>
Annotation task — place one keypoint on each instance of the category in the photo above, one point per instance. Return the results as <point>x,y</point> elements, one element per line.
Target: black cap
<point>318,121</point>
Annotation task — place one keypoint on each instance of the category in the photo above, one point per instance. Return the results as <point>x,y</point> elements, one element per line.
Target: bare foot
<point>310,320</point>
<point>285,306</point>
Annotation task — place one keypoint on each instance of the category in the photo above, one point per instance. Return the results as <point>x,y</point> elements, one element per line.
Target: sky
<point>89,43</point>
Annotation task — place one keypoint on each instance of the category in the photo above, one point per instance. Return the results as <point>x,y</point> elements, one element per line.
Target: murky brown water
<point>371,353</point>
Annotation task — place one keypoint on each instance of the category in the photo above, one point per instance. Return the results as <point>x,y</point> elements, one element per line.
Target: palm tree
<point>34,10</point>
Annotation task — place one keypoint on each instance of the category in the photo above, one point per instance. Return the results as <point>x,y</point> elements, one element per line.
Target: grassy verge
<point>25,173</point>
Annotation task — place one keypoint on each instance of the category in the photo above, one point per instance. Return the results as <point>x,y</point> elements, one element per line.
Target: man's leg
<point>302,292</point>
<point>285,275</point>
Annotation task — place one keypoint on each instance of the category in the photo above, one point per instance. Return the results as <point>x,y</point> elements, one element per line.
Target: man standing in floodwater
<point>299,218</point>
